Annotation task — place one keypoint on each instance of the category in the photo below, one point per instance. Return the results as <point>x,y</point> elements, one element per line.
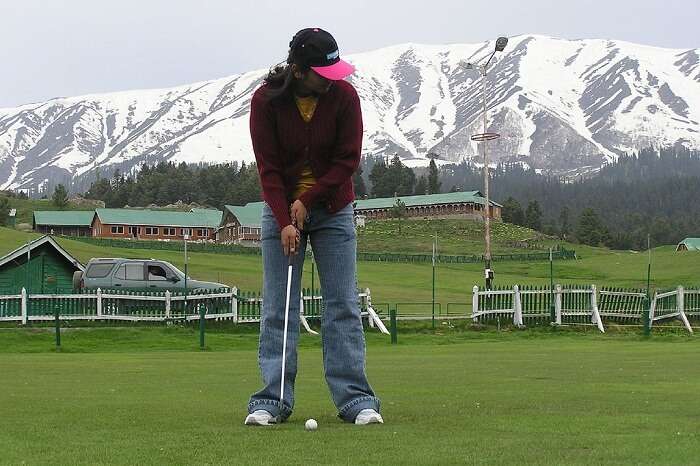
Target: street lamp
<point>483,138</point>
<point>185,238</point>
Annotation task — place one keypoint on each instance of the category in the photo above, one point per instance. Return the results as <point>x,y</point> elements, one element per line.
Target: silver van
<point>115,273</point>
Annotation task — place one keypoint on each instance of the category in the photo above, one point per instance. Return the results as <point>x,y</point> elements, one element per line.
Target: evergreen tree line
<point>653,193</point>
<point>388,179</point>
<point>167,183</point>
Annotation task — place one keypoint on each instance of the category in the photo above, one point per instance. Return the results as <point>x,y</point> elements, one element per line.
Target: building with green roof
<point>197,224</point>
<point>40,266</point>
<point>240,224</point>
<point>63,222</point>
<point>464,204</point>
<point>689,244</point>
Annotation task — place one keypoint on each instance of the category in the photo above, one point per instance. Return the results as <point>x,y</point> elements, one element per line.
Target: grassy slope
<point>524,397</point>
<point>395,282</point>
<point>26,207</point>
<point>454,237</point>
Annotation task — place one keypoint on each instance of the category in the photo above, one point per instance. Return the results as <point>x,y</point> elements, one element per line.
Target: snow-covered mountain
<point>559,105</point>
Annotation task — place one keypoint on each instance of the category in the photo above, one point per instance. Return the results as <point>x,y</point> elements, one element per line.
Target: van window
<point>156,272</point>
<point>99,270</point>
<point>133,271</point>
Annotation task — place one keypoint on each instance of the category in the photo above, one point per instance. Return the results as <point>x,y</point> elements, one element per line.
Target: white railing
<point>581,305</point>
<point>166,307</point>
<point>671,305</point>
<point>569,304</point>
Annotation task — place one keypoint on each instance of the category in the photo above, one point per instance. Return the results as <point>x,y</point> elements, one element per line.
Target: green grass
<point>455,236</point>
<point>412,283</point>
<point>146,396</point>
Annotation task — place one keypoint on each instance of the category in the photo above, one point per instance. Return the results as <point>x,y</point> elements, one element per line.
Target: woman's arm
<point>267,156</point>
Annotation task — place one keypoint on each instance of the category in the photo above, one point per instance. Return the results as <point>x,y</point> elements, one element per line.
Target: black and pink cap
<point>317,49</point>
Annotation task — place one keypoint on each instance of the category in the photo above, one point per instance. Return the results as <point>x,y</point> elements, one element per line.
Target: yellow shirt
<point>306,106</point>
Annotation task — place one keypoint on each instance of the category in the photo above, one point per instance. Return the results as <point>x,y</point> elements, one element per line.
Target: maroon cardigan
<point>331,141</point>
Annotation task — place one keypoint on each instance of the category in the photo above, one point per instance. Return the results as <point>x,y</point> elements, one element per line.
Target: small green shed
<point>41,266</point>
<point>689,244</point>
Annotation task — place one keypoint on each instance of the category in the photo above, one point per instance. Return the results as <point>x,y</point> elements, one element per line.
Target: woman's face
<point>311,83</point>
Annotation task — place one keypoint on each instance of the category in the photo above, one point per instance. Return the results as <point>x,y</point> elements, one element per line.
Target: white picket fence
<point>581,305</point>
<point>100,306</point>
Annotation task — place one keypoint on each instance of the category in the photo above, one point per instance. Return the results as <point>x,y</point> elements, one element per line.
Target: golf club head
<point>501,43</point>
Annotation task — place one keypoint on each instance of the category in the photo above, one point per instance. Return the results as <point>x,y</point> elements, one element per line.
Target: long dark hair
<point>280,78</point>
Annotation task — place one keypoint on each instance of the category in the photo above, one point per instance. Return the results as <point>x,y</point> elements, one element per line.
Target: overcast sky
<point>71,47</point>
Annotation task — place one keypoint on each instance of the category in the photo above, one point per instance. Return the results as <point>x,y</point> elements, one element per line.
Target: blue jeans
<point>333,241</point>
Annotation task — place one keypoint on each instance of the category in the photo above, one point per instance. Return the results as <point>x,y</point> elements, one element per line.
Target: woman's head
<point>312,64</point>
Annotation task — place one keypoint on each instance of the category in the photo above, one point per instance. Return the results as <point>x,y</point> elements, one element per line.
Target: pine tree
<point>358,183</point>
<point>590,230</point>
<point>60,197</point>
<point>4,210</point>
<point>433,181</point>
<point>378,177</point>
<point>398,211</point>
<point>564,226</point>
<point>421,187</point>
<point>533,216</point>
<point>512,212</point>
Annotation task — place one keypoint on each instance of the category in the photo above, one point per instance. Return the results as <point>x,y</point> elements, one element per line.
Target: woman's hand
<point>298,213</point>
<point>290,239</point>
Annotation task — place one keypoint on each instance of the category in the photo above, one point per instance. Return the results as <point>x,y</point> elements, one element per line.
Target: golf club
<point>278,419</point>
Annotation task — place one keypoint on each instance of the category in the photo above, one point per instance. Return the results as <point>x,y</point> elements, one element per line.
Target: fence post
<point>24,306</point>
<point>517,307</point>
<point>392,326</point>
<point>98,298</point>
<point>652,311</point>
<point>595,315</point>
<point>646,316</point>
<point>167,304</point>
<point>202,310</point>
<point>681,309</point>
<point>557,305</point>
<point>368,304</point>
<point>475,302</point>
<point>58,328</point>
<point>234,304</point>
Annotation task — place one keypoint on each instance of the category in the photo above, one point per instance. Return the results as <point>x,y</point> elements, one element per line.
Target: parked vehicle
<point>115,273</point>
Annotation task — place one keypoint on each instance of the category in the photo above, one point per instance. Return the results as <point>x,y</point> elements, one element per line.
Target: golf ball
<point>311,424</point>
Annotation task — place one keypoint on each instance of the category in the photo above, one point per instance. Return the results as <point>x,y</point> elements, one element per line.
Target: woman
<point>306,128</point>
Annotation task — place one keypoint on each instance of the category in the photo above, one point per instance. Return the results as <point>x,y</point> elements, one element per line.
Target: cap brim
<point>339,70</point>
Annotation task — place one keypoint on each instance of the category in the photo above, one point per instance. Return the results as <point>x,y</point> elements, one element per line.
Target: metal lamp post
<point>483,138</point>
<point>185,238</point>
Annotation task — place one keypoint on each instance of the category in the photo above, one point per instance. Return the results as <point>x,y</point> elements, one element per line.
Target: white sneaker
<point>368,416</point>
<point>259,418</point>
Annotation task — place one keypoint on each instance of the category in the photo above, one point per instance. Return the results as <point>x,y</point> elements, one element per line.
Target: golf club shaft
<point>284,338</point>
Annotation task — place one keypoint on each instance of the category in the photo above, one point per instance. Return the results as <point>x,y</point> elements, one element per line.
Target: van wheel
<point>77,276</point>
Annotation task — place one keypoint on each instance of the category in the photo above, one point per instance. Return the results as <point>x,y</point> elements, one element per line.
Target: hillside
<point>560,105</point>
<point>455,236</point>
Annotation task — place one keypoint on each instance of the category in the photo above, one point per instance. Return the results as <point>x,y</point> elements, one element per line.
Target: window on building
<point>186,231</point>
<point>151,230</point>
<point>202,232</point>
<point>117,230</point>
<point>169,231</point>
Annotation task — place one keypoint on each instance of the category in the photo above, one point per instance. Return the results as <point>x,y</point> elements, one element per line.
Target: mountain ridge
<point>560,105</point>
